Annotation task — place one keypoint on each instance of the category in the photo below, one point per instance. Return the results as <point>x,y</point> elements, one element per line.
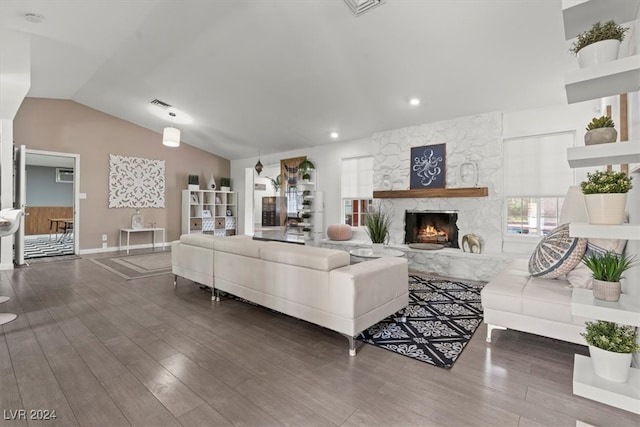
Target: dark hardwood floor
<point>103,351</point>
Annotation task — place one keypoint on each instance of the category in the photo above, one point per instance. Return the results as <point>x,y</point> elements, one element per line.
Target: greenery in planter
<point>225,182</point>
<point>194,180</point>
<point>306,176</point>
<point>608,267</point>
<point>306,202</point>
<point>306,165</point>
<point>606,182</point>
<point>611,337</point>
<point>307,229</point>
<point>599,32</point>
<point>600,122</point>
<point>306,215</point>
<point>306,193</point>
<point>377,225</point>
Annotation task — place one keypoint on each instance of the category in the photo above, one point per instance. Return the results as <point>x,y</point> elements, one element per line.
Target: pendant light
<point>171,135</point>
<point>258,166</point>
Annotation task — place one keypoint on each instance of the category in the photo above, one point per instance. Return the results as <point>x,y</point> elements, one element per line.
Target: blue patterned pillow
<point>557,254</point>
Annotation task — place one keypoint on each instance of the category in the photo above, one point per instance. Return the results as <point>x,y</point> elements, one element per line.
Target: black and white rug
<point>44,247</point>
<point>439,321</point>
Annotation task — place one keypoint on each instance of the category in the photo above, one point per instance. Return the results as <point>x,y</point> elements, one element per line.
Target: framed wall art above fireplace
<point>428,167</point>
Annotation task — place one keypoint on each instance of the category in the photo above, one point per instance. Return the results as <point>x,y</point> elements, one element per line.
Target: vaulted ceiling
<point>276,75</point>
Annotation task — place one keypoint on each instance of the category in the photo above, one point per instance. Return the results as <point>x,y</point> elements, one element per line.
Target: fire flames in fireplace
<point>432,227</point>
<point>431,234</point>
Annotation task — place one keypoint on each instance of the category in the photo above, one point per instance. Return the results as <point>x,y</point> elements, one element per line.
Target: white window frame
<point>360,198</point>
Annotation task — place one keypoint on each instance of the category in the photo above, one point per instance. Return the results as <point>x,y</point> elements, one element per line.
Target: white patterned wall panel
<point>136,182</point>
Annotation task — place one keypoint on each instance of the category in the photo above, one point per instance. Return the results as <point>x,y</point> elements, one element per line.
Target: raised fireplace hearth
<point>431,227</point>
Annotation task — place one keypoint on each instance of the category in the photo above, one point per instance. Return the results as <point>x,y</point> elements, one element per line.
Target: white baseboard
<point>117,248</point>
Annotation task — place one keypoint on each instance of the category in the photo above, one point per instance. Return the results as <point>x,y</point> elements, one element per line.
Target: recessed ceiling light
<point>414,101</point>
<point>334,135</point>
<point>34,18</point>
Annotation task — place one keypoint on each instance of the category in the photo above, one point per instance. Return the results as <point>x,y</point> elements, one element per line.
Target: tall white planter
<point>606,208</point>
<point>598,53</point>
<point>609,365</point>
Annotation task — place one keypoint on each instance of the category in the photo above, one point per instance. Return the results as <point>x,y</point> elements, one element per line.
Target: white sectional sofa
<point>314,284</point>
<point>515,300</point>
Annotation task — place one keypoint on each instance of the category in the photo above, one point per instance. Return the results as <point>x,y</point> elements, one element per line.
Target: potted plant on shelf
<point>605,196</point>
<point>305,167</point>
<point>194,182</point>
<point>225,184</point>
<point>377,225</point>
<point>307,232</point>
<point>599,44</point>
<point>607,270</point>
<point>601,130</point>
<point>611,347</point>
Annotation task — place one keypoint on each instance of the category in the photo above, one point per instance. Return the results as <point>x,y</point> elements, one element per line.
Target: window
<point>357,189</point>
<point>64,175</point>
<point>537,177</point>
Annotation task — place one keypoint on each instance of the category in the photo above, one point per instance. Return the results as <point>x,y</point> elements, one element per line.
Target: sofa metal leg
<point>175,280</point>
<point>490,328</point>
<point>352,345</point>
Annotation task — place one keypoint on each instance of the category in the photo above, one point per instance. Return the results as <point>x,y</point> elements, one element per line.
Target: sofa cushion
<point>305,256</point>
<point>202,240</point>
<point>240,245</point>
<point>556,254</point>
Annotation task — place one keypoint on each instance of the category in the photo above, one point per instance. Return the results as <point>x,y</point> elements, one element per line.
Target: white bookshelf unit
<point>602,80</point>
<point>209,212</point>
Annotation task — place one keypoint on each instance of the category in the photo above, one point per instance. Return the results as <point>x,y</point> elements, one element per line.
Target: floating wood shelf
<point>432,192</point>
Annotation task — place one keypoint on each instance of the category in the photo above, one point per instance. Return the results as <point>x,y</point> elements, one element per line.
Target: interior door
<point>20,202</point>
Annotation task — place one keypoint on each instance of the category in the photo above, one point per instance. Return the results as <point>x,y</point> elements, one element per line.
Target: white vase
<point>609,365</point>
<point>377,248</point>
<point>598,53</point>
<point>193,187</point>
<point>606,208</point>
<point>211,185</point>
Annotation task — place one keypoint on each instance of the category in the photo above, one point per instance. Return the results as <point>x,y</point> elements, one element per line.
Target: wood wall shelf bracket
<point>432,192</point>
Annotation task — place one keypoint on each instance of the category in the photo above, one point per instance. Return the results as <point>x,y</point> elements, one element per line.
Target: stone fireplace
<point>431,227</point>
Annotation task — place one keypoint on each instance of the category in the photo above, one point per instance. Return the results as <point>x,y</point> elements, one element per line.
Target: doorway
<point>47,189</point>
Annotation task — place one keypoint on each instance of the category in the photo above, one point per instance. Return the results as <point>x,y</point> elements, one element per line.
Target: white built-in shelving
<point>622,231</point>
<point>604,154</point>
<point>209,212</point>
<point>599,81</point>
<point>602,80</point>
<point>620,395</point>
<point>626,311</point>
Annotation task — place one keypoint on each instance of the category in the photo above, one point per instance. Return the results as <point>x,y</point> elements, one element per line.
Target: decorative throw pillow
<point>339,232</point>
<point>580,276</point>
<point>556,254</point>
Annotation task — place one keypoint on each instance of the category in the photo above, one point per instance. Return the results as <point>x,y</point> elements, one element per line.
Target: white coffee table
<point>368,253</point>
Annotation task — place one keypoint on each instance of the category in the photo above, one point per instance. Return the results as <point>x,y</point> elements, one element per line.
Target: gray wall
<point>43,190</point>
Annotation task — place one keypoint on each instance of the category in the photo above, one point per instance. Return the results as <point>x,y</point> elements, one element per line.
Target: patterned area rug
<point>137,266</point>
<point>439,321</point>
<point>44,247</point>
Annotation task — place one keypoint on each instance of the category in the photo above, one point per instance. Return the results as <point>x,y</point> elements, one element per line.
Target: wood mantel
<point>432,192</point>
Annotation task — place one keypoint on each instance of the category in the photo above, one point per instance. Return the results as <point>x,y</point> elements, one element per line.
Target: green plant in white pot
<point>377,225</point>
<point>599,44</point>
<point>607,270</point>
<point>601,130</point>
<point>605,196</point>
<point>611,347</point>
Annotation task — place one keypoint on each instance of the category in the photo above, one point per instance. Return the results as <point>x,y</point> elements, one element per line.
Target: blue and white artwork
<point>428,166</point>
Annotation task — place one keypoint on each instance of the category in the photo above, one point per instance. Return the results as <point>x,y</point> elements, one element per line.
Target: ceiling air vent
<point>159,103</point>
<point>361,6</point>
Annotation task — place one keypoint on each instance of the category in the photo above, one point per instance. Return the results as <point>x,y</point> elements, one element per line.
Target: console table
<point>139,230</point>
